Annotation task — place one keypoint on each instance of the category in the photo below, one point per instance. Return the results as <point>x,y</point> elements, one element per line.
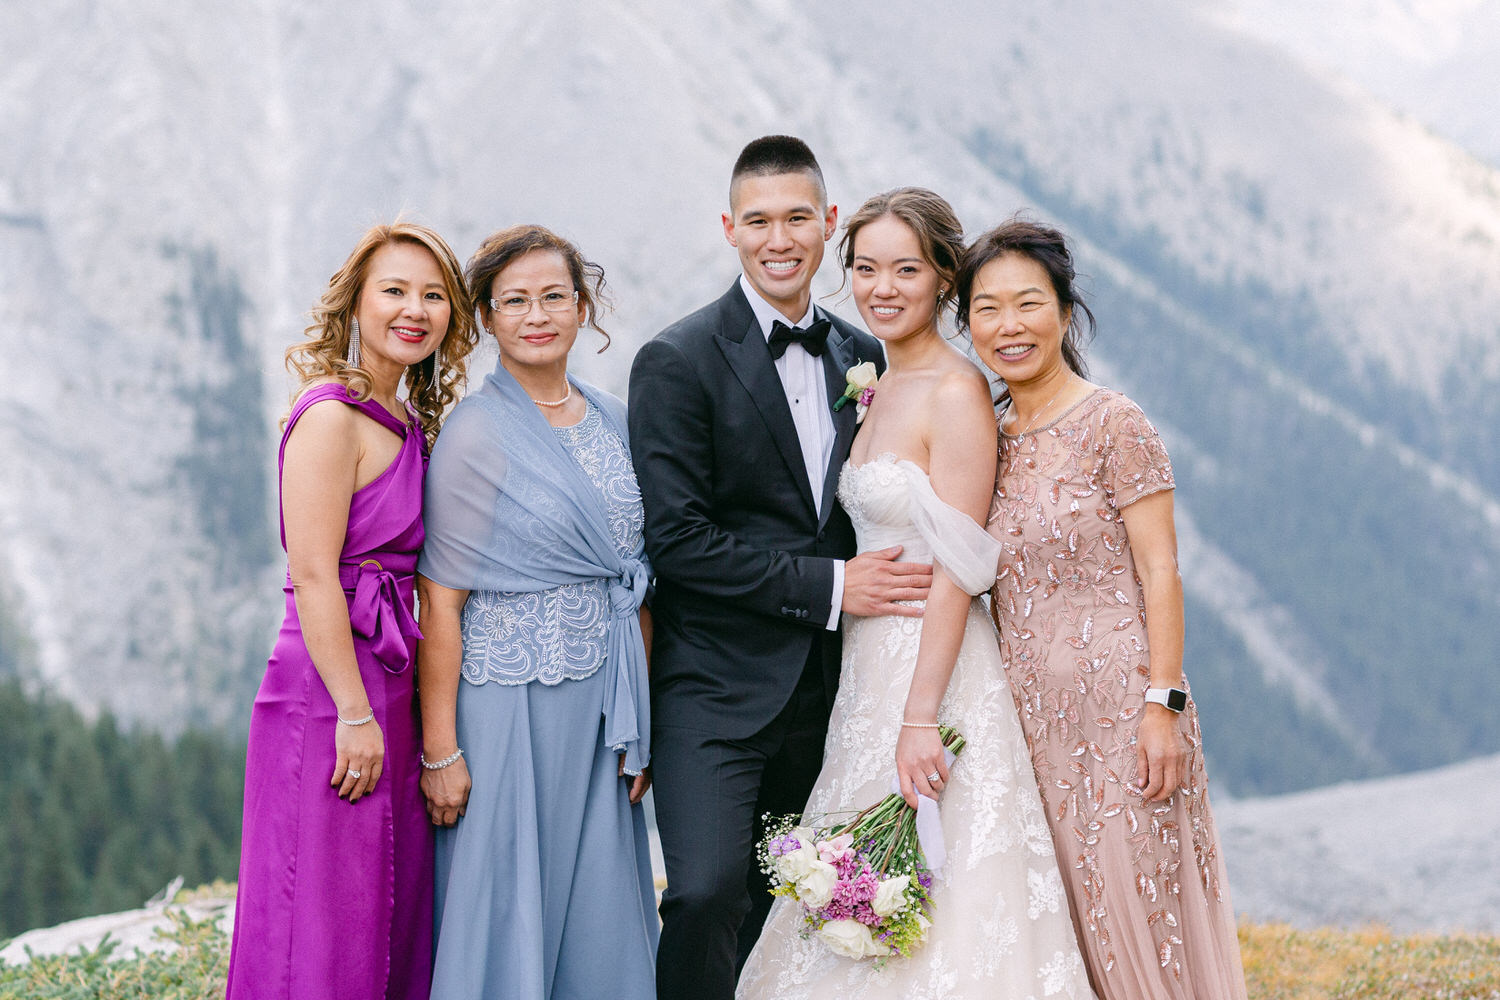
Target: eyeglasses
<point>520,305</point>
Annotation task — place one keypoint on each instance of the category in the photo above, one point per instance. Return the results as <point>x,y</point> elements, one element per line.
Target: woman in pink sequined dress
<point>1088,603</point>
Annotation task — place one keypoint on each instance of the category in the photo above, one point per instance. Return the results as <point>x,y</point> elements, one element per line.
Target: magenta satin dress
<point>335,900</point>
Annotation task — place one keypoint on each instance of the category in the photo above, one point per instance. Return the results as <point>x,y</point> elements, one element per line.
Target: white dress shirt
<point>801,377</point>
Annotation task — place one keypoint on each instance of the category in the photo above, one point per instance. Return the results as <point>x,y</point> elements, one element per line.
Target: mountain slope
<point>1412,853</point>
<point>1294,280</point>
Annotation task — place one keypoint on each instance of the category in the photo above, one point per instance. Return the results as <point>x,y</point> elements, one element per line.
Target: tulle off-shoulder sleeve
<point>960,547</point>
<point>1135,459</point>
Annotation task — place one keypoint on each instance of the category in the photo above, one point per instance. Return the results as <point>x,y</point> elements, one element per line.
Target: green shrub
<point>195,969</point>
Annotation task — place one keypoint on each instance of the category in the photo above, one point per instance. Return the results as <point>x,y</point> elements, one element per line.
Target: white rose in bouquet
<point>794,866</point>
<point>891,896</point>
<point>815,888</point>
<point>851,939</point>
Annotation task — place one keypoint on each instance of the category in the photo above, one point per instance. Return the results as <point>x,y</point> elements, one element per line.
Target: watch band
<point>1172,699</point>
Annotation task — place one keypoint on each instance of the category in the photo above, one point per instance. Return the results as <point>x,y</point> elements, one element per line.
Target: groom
<point>737,448</point>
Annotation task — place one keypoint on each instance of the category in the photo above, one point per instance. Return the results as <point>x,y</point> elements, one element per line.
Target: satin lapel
<point>837,360</point>
<point>750,359</point>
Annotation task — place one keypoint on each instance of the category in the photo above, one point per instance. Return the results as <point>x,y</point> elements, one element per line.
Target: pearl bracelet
<point>921,725</point>
<point>452,758</point>
<point>357,722</point>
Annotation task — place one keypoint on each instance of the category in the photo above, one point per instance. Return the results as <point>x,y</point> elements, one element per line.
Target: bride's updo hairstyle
<point>927,215</point>
<point>1048,248</point>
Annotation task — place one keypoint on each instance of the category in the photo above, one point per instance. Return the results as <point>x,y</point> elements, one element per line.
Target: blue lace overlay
<point>559,634</point>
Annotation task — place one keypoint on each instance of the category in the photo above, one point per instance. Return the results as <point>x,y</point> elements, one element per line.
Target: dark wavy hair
<point>929,217</point>
<point>499,250</point>
<point>1048,248</point>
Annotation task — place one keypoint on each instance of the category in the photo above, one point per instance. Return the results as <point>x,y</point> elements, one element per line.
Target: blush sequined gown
<point>1146,880</point>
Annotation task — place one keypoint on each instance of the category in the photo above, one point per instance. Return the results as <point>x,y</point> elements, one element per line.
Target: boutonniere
<point>860,389</point>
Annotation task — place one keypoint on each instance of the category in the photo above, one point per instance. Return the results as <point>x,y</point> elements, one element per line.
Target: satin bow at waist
<point>377,612</point>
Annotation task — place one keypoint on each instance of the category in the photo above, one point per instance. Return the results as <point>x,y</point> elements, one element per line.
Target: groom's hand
<point>874,581</point>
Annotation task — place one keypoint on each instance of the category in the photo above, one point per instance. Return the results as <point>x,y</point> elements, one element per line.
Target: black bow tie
<point>813,339</point>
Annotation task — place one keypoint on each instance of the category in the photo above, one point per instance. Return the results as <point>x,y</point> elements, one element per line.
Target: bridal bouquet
<point>864,885</point>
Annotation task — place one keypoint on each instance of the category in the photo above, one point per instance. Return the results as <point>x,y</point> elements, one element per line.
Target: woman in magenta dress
<point>335,890</point>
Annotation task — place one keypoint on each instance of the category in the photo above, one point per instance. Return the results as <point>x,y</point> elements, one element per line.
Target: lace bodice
<point>890,502</point>
<point>558,634</point>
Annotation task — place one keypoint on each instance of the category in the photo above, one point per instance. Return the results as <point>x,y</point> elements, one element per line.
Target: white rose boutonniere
<point>860,389</point>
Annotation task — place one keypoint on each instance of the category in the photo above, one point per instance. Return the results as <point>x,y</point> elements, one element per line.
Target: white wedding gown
<point>1000,922</point>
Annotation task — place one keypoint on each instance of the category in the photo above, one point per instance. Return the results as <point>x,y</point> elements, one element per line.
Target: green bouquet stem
<point>887,830</point>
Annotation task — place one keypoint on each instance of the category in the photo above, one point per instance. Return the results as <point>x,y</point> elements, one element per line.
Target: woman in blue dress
<point>532,672</point>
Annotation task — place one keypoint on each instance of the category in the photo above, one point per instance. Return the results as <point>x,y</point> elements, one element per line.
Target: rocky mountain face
<point>1293,278</point>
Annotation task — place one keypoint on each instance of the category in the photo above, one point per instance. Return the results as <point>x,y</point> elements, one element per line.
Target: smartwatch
<point>1172,699</point>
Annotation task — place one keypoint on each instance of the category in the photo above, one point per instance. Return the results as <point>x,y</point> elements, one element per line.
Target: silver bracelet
<point>357,722</point>
<point>921,725</point>
<point>451,759</point>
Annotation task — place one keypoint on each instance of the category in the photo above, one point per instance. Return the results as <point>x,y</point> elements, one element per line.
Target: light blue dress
<point>544,888</point>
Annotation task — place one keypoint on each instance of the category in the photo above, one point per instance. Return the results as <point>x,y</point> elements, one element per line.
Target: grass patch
<point>1282,963</point>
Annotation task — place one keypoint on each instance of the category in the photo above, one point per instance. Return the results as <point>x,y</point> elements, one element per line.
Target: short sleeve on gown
<point>1135,460</point>
<point>468,461</point>
<point>964,550</point>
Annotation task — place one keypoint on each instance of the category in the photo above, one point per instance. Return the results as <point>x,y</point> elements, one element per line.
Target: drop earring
<point>353,355</point>
<point>437,368</point>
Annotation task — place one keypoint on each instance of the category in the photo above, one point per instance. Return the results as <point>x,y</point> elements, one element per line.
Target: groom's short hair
<point>777,154</point>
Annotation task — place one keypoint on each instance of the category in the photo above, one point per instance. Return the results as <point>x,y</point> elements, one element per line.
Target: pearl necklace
<point>554,402</point>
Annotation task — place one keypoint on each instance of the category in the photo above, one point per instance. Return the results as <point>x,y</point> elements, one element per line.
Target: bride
<point>920,475</point>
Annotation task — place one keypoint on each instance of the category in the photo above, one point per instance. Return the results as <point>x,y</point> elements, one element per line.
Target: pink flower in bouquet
<point>859,889</point>
<point>837,849</point>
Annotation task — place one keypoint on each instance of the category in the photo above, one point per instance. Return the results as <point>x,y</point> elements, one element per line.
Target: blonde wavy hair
<point>324,355</point>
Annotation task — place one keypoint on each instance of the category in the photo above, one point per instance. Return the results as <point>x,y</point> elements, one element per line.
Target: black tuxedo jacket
<point>744,563</point>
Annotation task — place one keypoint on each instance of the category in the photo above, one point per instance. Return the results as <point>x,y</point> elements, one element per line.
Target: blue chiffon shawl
<point>497,446</point>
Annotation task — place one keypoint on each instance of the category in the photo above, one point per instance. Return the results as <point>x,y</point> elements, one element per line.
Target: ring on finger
<point>354,774</point>
<point>934,776</point>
